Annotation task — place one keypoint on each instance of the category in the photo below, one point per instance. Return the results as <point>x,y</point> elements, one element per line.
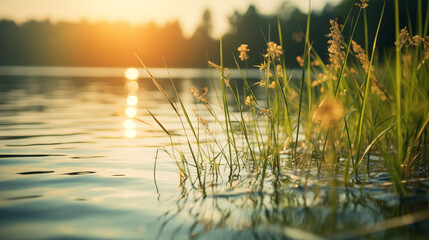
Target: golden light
<point>130,133</point>
<point>130,112</point>
<point>129,124</point>
<point>132,86</point>
<point>132,100</point>
<point>132,73</point>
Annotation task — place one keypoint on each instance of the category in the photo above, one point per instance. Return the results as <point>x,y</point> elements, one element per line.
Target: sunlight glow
<point>130,133</point>
<point>132,100</point>
<point>132,86</point>
<point>130,112</point>
<point>132,73</point>
<point>129,124</point>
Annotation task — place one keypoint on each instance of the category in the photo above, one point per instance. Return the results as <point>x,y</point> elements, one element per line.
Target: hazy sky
<point>188,12</point>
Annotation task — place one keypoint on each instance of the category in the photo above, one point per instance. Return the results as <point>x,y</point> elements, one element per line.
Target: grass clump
<point>336,117</point>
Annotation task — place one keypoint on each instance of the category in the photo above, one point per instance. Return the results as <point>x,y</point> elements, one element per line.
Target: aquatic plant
<point>339,114</point>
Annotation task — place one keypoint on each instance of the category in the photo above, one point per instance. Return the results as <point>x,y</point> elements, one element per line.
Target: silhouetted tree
<point>114,44</point>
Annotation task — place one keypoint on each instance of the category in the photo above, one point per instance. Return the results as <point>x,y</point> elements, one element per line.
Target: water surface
<point>72,166</point>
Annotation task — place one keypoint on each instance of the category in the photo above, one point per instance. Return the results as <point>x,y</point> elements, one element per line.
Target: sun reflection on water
<point>130,112</point>
<point>131,74</point>
<point>132,86</point>
<point>129,124</point>
<point>130,133</point>
<point>132,100</point>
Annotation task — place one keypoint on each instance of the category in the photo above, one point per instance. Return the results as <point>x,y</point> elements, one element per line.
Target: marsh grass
<point>334,119</point>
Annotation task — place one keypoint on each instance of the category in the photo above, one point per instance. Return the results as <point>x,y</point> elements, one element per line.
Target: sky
<point>188,12</point>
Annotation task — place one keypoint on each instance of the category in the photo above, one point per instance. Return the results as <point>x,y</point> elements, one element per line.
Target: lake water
<point>72,166</point>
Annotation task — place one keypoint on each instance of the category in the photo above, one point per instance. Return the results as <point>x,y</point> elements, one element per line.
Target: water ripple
<point>35,172</point>
<point>24,197</point>
<point>29,155</point>
<point>79,173</point>
<point>45,144</point>
<point>36,136</point>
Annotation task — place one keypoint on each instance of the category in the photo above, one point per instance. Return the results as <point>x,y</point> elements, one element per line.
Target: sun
<point>132,73</point>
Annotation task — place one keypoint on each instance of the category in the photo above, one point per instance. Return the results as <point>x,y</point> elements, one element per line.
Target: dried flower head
<point>249,101</point>
<point>279,70</point>
<point>361,55</point>
<point>261,66</point>
<point>200,95</point>
<point>315,63</point>
<point>214,65</point>
<point>363,4</point>
<point>219,70</point>
<point>417,40</point>
<point>274,51</point>
<point>300,60</point>
<point>265,112</point>
<point>336,49</point>
<point>272,84</point>
<point>328,112</point>
<point>404,38</point>
<point>323,77</point>
<point>378,89</point>
<point>261,83</point>
<point>203,122</point>
<point>243,52</point>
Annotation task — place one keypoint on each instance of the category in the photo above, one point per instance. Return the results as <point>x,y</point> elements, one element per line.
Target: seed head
<point>404,38</point>
<point>243,52</point>
<point>361,55</point>
<point>300,60</point>
<point>200,95</point>
<point>279,69</point>
<point>363,4</point>
<point>261,83</point>
<point>203,122</point>
<point>249,101</point>
<point>336,49</point>
<point>328,112</point>
<point>274,51</point>
<point>266,112</point>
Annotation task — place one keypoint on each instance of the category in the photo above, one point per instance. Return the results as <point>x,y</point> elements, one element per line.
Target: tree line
<point>106,44</point>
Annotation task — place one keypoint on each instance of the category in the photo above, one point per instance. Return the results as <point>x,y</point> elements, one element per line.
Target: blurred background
<point>107,33</point>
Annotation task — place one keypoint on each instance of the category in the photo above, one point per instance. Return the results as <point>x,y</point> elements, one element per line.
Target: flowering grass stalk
<point>339,110</point>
